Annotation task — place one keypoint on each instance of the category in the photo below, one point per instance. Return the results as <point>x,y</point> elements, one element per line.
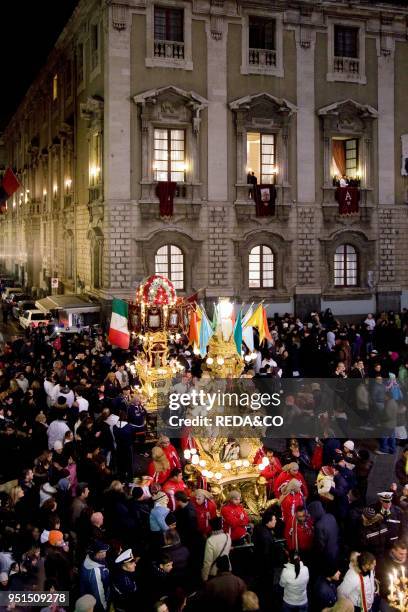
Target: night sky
<point>28,34</point>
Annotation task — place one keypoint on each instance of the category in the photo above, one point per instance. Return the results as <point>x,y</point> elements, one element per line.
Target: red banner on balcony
<point>265,197</point>
<point>348,199</point>
<point>165,191</point>
<point>9,185</point>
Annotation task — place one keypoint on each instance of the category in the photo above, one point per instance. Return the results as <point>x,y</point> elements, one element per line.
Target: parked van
<point>34,318</point>
<point>8,291</point>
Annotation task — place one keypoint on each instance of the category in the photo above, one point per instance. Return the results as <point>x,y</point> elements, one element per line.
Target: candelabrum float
<point>158,317</point>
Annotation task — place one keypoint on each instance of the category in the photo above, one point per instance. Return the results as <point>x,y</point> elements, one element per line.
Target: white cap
<point>85,603</point>
<point>385,496</point>
<point>124,557</point>
<point>349,445</point>
<point>58,445</point>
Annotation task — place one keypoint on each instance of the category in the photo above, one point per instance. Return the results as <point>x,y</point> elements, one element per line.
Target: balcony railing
<point>169,49</point>
<point>262,57</point>
<point>347,65</point>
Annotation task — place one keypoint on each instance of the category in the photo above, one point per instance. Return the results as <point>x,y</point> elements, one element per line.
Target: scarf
<point>363,594</point>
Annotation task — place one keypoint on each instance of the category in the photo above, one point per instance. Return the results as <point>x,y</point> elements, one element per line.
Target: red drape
<point>264,196</point>
<point>339,155</point>
<point>165,191</point>
<point>348,199</point>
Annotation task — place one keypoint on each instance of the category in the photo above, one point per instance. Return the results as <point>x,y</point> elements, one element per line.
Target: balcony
<point>169,49</point>
<point>187,201</point>
<point>262,58</point>
<point>347,205</point>
<point>347,66</point>
<point>245,206</point>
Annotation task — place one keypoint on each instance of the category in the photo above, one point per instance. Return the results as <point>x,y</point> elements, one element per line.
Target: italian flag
<point>118,331</point>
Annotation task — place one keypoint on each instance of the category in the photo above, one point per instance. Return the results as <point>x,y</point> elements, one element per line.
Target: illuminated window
<point>55,87</point>
<point>261,157</point>
<point>95,159</point>
<point>169,155</point>
<point>169,262</point>
<point>345,266</point>
<point>345,157</point>
<point>261,267</point>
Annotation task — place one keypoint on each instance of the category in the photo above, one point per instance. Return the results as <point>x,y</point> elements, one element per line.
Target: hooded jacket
<point>326,534</point>
<point>94,580</point>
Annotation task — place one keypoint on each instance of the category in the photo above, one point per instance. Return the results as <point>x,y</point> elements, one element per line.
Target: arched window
<point>169,261</point>
<point>261,267</point>
<point>345,266</point>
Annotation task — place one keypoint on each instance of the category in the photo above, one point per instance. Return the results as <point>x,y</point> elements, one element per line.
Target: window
<point>262,41</point>
<point>345,41</point>
<point>95,159</point>
<point>261,157</point>
<point>55,87</point>
<point>94,46</point>
<point>345,266</point>
<point>169,262</point>
<point>169,155</point>
<point>80,63</point>
<point>345,157</point>
<point>261,267</point>
<point>168,32</point>
<point>346,51</point>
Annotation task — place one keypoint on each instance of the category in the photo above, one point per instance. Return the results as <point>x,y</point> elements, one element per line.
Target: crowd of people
<point>92,504</point>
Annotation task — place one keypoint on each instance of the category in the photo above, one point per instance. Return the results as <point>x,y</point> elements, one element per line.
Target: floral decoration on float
<point>157,290</point>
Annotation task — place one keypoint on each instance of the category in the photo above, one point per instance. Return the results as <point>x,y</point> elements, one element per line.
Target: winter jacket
<point>299,536</point>
<point>219,543</point>
<point>205,512</point>
<point>235,520</point>
<point>294,588</point>
<point>94,580</point>
<point>325,593</point>
<point>284,478</point>
<point>389,420</point>
<point>326,534</point>
<point>124,590</point>
<point>157,518</point>
<point>224,592</point>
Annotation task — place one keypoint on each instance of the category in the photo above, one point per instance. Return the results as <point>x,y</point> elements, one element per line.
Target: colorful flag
<point>248,330</point>
<point>238,333</point>
<point>193,330</point>
<point>215,318</point>
<point>118,331</point>
<point>206,331</point>
<point>258,320</point>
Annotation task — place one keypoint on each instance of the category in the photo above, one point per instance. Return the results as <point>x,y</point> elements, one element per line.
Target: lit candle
<point>238,462</point>
<point>195,460</point>
<point>187,454</point>
<point>245,463</point>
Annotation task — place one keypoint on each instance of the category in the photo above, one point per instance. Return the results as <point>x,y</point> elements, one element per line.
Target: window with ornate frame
<point>261,267</point>
<point>261,156</point>
<point>169,262</point>
<point>169,155</point>
<point>168,35</point>
<point>95,159</point>
<point>346,51</point>
<point>345,266</point>
<point>80,65</point>
<point>262,43</point>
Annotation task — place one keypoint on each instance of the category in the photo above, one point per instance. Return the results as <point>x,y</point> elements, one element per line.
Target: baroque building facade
<point>204,93</point>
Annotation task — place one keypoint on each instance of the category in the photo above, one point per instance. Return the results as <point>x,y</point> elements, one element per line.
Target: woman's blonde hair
<point>160,461</point>
<point>115,485</point>
<point>250,601</point>
<point>15,494</point>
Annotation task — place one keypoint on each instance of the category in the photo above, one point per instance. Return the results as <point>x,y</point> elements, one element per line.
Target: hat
<point>85,603</point>
<point>385,496</point>
<point>55,537</point>
<point>125,556</point>
<point>369,513</point>
<point>58,445</point>
<point>3,576</point>
<point>349,445</point>
<point>328,470</point>
<point>289,467</point>
<point>98,546</point>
